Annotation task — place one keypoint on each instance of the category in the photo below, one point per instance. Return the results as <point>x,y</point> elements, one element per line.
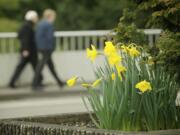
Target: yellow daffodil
<point>113,76</point>
<point>143,86</point>
<point>86,85</point>
<point>95,83</point>
<point>125,48</point>
<point>92,53</point>
<point>71,82</point>
<point>114,59</point>
<point>109,48</point>
<point>133,52</point>
<point>150,61</point>
<point>121,69</point>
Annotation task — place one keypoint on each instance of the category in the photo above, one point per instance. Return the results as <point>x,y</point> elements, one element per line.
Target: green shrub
<point>169,51</point>
<point>127,32</point>
<point>162,13</point>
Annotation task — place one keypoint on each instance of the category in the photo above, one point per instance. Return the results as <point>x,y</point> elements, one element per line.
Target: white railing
<point>73,40</point>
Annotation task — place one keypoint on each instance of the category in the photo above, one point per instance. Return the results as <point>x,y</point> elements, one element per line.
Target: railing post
<point>65,43</point>
<point>72,43</point>
<point>3,45</point>
<point>58,43</point>
<point>87,42</point>
<point>11,45</point>
<point>150,39</point>
<point>101,42</point>
<point>80,42</point>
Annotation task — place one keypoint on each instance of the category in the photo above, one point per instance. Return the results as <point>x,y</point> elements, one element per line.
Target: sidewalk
<point>48,91</point>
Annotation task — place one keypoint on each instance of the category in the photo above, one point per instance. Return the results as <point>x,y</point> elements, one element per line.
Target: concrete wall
<point>67,64</point>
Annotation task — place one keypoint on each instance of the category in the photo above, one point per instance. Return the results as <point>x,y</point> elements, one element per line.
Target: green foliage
<point>169,51</point>
<point>71,15</point>
<point>120,106</point>
<point>164,13</point>
<point>5,4</point>
<point>90,14</point>
<point>127,32</point>
<point>8,25</point>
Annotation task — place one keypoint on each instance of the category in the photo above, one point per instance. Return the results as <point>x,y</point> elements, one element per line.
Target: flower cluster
<point>126,100</point>
<point>111,52</point>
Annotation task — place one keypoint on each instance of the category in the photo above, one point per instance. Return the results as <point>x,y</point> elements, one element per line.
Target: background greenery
<point>162,14</point>
<point>95,14</point>
<point>71,14</point>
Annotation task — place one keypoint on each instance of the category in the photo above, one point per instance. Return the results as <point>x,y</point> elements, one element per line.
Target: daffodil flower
<point>92,53</point>
<point>97,82</point>
<point>150,61</point>
<point>133,52</point>
<point>71,82</point>
<point>86,85</point>
<point>109,48</point>
<point>143,86</point>
<point>120,69</point>
<point>125,48</point>
<point>114,59</point>
<point>94,84</point>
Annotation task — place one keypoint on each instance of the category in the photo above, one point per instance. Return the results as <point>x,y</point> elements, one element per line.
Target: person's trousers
<point>46,59</point>
<point>32,59</point>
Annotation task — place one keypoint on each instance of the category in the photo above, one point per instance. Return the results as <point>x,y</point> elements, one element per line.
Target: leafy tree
<point>169,52</point>
<point>164,13</point>
<point>94,14</point>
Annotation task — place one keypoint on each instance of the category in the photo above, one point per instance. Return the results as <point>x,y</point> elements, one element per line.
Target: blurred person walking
<point>45,41</point>
<point>28,51</point>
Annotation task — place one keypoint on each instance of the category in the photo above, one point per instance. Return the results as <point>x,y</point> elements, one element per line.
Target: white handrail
<point>63,33</point>
<point>74,40</point>
<point>152,31</point>
<point>81,33</point>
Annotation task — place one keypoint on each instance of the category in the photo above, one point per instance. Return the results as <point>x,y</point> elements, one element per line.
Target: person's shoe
<point>12,86</point>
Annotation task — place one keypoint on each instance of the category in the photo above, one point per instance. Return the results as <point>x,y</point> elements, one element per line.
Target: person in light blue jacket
<point>45,42</point>
<point>45,36</point>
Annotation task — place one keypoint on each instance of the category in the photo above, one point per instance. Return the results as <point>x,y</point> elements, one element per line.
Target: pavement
<point>25,92</point>
<point>42,106</point>
<point>23,102</point>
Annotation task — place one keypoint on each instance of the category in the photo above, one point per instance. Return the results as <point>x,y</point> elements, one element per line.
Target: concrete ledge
<point>28,127</point>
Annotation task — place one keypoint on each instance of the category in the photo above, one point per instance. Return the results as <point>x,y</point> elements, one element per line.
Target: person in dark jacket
<point>45,42</point>
<point>28,51</point>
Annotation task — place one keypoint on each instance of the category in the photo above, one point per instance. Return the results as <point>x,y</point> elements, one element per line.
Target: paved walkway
<point>41,106</point>
<point>48,91</point>
<point>24,102</point>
